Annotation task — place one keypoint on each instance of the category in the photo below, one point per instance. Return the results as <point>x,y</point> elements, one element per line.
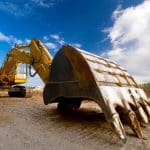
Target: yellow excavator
<point>14,71</point>
<point>75,75</point>
<point>12,75</point>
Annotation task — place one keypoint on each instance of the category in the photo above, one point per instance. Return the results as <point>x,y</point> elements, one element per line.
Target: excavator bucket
<point>77,75</point>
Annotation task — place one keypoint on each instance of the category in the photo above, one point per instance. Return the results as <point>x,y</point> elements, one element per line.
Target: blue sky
<point>87,24</point>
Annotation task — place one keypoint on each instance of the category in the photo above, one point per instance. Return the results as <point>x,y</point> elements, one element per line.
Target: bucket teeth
<point>139,108</point>
<point>135,125</point>
<point>116,123</point>
<point>143,115</point>
<point>147,108</point>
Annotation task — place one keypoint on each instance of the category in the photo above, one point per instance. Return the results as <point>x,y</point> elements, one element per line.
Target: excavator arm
<point>36,55</point>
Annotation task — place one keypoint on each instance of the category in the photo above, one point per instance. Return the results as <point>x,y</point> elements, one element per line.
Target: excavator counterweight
<point>77,75</point>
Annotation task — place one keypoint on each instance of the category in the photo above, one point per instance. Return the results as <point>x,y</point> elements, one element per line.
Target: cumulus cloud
<point>9,39</point>
<point>61,41</point>
<point>51,45</point>
<point>27,41</point>
<point>3,37</point>
<point>57,38</point>
<point>21,9</point>
<point>45,3</point>
<point>130,39</point>
<point>15,8</point>
<point>76,45</point>
<point>45,38</point>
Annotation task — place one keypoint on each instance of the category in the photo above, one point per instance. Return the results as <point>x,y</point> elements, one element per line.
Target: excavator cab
<point>21,75</point>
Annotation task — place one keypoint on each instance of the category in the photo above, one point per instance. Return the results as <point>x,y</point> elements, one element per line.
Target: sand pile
<point>37,91</point>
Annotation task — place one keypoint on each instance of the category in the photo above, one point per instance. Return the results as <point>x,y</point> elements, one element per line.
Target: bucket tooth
<point>135,125</point>
<point>116,123</point>
<point>147,108</point>
<point>139,108</point>
<point>143,115</point>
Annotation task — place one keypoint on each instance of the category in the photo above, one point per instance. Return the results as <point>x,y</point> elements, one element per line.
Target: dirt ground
<point>28,124</point>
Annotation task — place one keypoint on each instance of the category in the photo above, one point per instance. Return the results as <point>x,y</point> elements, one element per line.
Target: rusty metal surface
<point>78,74</point>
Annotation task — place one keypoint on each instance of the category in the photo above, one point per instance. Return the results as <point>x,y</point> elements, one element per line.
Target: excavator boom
<point>36,55</point>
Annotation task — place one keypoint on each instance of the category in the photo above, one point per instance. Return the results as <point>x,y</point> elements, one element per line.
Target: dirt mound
<point>37,91</point>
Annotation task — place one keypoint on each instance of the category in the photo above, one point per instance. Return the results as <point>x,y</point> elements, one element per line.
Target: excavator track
<point>77,74</point>
<point>20,91</point>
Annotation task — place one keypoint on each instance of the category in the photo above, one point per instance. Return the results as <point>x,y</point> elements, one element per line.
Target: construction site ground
<point>28,124</point>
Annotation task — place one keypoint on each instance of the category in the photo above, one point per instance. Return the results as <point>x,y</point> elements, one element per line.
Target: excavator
<point>14,71</point>
<point>75,75</point>
<point>12,75</point>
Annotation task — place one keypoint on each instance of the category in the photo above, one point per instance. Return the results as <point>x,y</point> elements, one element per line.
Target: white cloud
<point>16,9</point>
<point>45,38</point>
<point>9,39</point>
<point>57,38</point>
<point>4,37</point>
<point>27,41</point>
<point>130,39</point>
<point>51,45</point>
<point>61,41</point>
<point>20,9</point>
<point>76,45</point>
<point>44,3</point>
